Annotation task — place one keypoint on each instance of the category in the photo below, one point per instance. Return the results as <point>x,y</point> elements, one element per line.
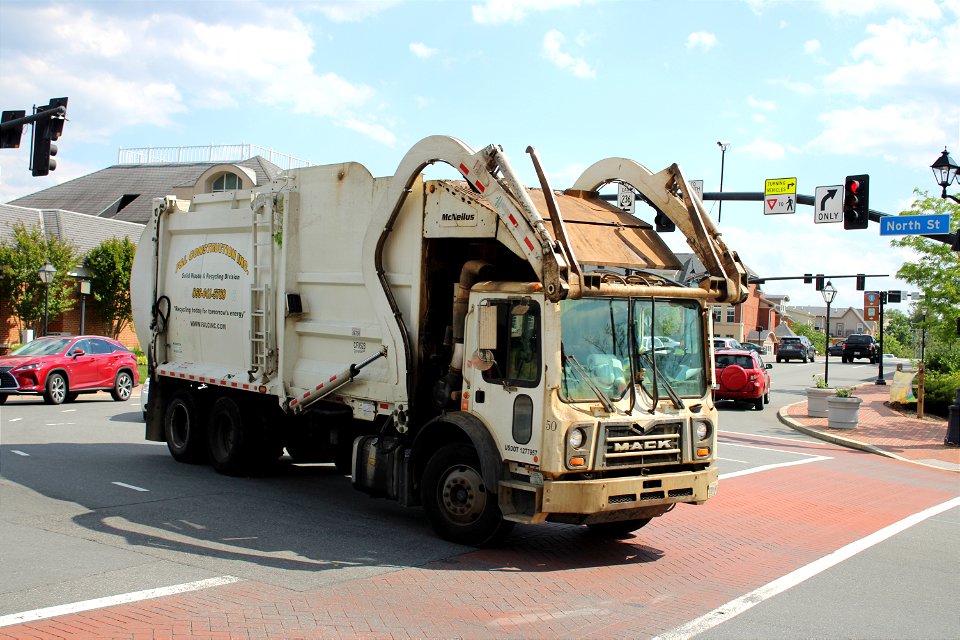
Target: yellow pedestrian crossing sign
<point>779,196</point>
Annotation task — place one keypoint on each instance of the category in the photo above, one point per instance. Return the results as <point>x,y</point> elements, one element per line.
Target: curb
<point>846,442</point>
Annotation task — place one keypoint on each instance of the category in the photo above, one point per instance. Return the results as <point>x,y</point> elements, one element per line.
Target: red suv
<point>60,369</point>
<point>742,375</point>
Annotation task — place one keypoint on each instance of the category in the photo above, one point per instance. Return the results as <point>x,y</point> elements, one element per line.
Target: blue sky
<point>812,89</point>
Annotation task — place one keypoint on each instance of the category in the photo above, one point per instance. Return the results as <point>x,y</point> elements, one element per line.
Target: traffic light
<point>807,278</point>
<point>819,282</point>
<point>861,282</point>
<point>894,296</point>
<point>663,223</point>
<point>10,136</point>
<point>45,132</point>
<point>856,202</point>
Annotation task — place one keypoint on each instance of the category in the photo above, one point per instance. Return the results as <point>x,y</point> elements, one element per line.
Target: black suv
<point>796,348</point>
<point>861,345</point>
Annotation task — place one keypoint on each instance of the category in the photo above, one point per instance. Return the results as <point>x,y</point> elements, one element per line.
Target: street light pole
<point>723,144</point>
<point>46,273</point>
<point>84,292</point>
<point>828,292</point>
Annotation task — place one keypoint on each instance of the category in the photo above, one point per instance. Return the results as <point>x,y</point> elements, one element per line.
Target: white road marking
<point>59,424</point>
<point>20,453</point>
<point>130,486</point>
<point>111,601</point>
<point>753,446</point>
<point>734,460</point>
<point>15,419</point>
<point>792,579</point>
<point>68,410</point>
<point>768,467</point>
<point>757,435</point>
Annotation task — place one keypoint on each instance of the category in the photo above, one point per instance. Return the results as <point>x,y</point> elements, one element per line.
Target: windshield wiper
<point>585,377</point>
<point>659,377</point>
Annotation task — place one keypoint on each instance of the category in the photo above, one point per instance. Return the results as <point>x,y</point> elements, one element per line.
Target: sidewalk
<point>882,430</point>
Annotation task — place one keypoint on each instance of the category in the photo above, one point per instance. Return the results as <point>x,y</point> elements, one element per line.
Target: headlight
<point>703,430</point>
<point>575,438</point>
<point>28,367</point>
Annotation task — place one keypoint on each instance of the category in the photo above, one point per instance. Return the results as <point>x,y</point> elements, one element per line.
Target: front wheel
<point>3,398</point>
<point>621,529</point>
<point>56,392</point>
<point>122,386</point>
<point>457,503</point>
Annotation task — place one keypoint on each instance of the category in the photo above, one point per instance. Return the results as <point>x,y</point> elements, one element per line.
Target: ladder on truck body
<point>262,350</point>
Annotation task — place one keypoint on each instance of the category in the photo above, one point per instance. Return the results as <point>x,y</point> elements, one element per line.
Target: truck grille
<point>7,381</point>
<point>629,445</point>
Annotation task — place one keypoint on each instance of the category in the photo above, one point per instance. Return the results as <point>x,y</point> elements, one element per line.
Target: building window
<point>731,313</point>
<point>859,328</point>
<point>716,314</point>
<point>839,331</point>
<point>226,182</point>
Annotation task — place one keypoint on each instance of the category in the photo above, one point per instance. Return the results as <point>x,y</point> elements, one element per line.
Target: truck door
<point>506,380</point>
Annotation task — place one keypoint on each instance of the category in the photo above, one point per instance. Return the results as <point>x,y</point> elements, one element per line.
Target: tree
<point>20,285</point>
<point>936,273</point>
<point>110,265</point>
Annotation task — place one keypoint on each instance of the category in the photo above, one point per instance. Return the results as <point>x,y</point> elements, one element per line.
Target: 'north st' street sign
<point>914,225</point>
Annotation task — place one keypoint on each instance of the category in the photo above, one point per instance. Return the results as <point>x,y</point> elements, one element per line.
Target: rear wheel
<point>56,391</point>
<point>457,502</point>
<point>122,386</point>
<point>238,444</point>
<point>182,429</point>
<point>621,529</point>
<point>758,404</point>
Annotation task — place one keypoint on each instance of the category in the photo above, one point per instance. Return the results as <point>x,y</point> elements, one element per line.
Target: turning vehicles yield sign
<point>828,204</point>
<point>779,196</point>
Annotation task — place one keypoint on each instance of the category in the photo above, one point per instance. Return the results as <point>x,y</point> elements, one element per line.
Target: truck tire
<point>621,529</point>
<point>182,429</point>
<point>457,504</point>
<point>232,439</point>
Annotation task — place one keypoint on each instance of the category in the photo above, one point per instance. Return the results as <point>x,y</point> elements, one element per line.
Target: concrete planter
<point>844,413</point>
<point>817,401</point>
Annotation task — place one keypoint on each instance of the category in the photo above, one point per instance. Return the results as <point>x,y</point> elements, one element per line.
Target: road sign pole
<point>880,379</point>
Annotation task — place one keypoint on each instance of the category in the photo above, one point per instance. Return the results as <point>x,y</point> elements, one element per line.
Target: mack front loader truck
<point>490,352</point>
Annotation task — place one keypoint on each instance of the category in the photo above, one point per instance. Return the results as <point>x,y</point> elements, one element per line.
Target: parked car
<point>725,343</point>
<point>741,375</point>
<point>668,342</point>
<point>61,368</point>
<point>750,346</point>
<point>836,349</point>
<point>796,348</point>
<point>861,345</point>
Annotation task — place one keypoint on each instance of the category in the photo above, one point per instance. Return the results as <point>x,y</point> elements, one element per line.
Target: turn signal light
<point>703,452</point>
<point>577,461</point>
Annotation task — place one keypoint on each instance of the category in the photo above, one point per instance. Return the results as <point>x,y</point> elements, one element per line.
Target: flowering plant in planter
<point>844,392</point>
<point>819,382</point>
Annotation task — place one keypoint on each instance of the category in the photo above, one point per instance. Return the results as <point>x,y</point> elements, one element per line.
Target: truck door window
<point>517,360</point>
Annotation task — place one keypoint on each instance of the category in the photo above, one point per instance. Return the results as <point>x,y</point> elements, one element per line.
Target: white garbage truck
<point>494,353</point>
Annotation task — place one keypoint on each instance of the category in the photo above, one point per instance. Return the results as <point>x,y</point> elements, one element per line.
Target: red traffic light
<point>853,186</point>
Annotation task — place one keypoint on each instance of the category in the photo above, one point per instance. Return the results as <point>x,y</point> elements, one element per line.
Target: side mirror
<point>77,352</point>
<point>768,366</point>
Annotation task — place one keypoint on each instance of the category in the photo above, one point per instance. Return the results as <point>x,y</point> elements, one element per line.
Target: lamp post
<point>84,292</point>
<point>723,144</point>
<point>47,272</point>
<point>945,171</point>
<point>828,292</point>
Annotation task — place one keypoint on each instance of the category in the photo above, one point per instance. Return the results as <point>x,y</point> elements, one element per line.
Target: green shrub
<point>940,388</point>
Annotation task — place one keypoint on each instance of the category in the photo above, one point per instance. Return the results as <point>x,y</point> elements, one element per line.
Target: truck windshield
<point>598,334</point>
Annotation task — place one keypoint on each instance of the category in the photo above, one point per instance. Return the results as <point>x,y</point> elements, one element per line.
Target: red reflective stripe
<point>319,386</point>
<point>233,384</point>
<point>480,186</point>
<point>513,220</point>
<point>464,169</point>
<point>529,244</point>
<point>332,378</point>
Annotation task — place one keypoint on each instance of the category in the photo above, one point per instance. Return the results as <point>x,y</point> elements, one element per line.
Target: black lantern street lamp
<point>47,273</point>
<point>828,292</point>
<point>945,171</point>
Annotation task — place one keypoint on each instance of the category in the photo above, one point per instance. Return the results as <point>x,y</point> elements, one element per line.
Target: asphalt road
<point>88,510</point>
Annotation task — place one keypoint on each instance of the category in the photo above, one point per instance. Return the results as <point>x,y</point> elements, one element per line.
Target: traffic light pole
<point>39,115</point>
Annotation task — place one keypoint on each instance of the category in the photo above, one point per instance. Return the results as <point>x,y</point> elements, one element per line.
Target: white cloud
<point>701,39</point>
<point>353,10</point>
<point>811,46</point>
<point>552,42</point>
<point>903,132</point>
<point>925,9</point>
<point>374,131</point>
<point>763,105</point>
<point>150,67</point>
<point>494,12</point>
<point>764,149</point>
<point>800,88</point>
<point>422,51</point>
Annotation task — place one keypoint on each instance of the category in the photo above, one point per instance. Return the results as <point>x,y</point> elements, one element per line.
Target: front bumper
<point>614,494</point>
